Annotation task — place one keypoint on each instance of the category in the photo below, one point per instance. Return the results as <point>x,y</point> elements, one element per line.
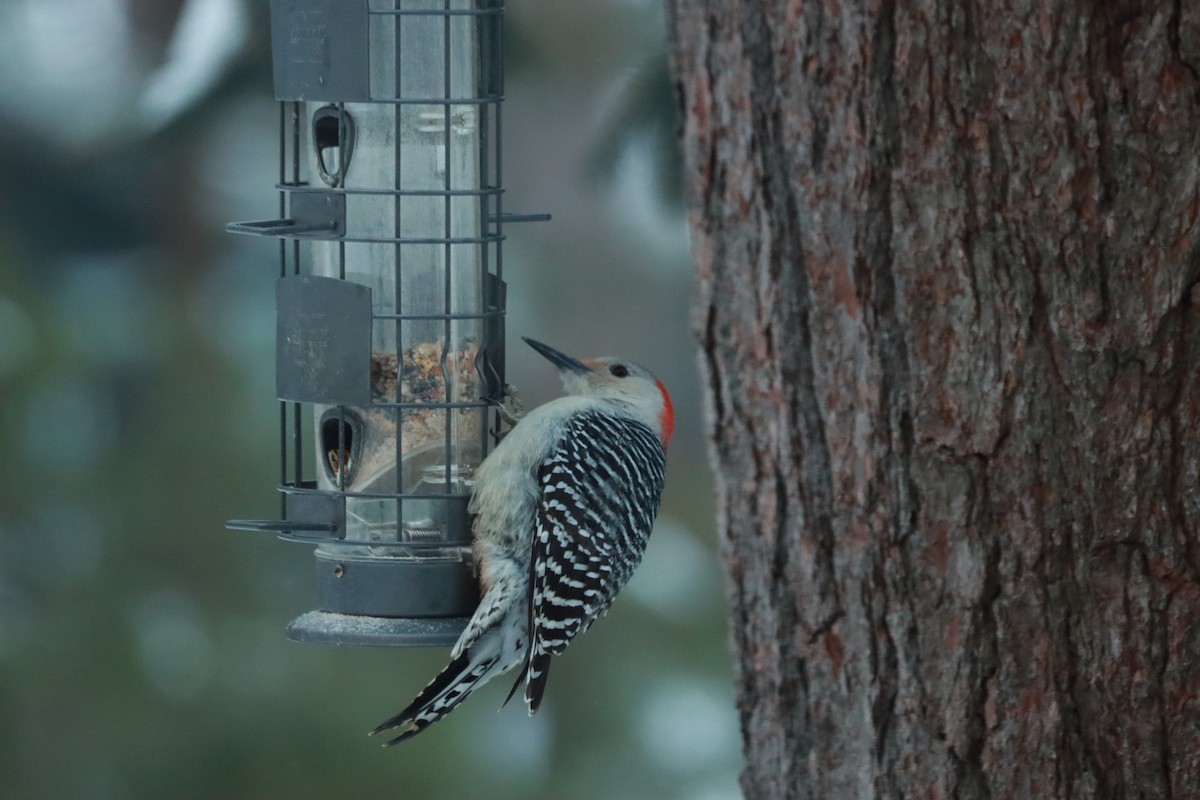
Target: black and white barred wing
<point>600,492</point>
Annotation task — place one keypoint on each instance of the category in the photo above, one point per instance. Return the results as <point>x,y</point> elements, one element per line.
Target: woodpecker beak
<point>560,360</point>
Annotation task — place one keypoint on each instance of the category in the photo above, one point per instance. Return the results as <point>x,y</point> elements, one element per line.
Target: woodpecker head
<point>623,383</point>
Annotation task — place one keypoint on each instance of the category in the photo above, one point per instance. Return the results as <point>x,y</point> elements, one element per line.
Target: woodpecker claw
<point>511,408</point>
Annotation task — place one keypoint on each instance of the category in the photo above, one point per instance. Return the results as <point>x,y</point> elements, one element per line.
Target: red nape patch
<point>666,422</point>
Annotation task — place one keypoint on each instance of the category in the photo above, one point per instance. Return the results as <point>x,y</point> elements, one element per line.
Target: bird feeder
<point>390,302</point>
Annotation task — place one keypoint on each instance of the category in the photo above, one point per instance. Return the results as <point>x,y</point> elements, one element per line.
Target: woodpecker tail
<point>463,675</point>
<point>536,675</point>
<point>492,644</point>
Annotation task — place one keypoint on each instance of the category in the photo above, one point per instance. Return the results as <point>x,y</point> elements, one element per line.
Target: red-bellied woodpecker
<point>563,508</point>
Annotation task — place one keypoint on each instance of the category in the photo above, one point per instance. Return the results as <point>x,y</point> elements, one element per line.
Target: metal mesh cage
<point>390,302</point>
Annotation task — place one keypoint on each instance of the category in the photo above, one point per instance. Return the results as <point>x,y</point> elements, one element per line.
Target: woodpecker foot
<point>511,409</point>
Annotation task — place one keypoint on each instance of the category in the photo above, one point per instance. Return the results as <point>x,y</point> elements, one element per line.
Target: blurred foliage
<point>646,111</point>
<point>141,644</point>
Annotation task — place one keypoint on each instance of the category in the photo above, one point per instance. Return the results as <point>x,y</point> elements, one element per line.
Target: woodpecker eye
<point>619,371</point>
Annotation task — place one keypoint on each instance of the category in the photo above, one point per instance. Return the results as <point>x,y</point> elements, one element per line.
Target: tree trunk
<point>950,326</point>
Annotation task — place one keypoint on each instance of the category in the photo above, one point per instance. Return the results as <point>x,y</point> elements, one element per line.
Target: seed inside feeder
<point>422,379</point>
<point>418,377</point>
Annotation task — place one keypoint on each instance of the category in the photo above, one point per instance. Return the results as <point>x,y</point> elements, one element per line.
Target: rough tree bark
<point>950,324</point>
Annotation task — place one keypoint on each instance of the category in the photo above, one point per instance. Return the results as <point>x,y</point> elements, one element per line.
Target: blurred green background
<point>141,644</point>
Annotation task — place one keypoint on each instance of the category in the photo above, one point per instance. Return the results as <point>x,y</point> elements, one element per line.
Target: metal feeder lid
<point>324,627</point>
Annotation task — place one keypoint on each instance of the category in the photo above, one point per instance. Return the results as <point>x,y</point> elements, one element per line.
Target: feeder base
<point>323,627</point>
